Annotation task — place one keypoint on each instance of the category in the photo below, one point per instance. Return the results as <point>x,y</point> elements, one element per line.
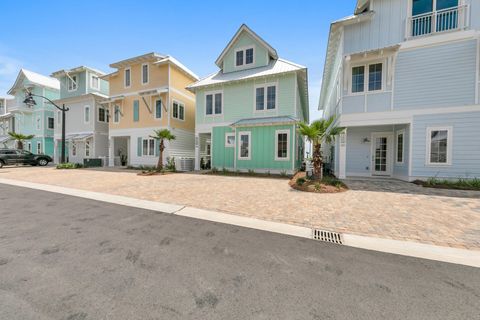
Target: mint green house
<point>39,119</point>
<point>247,112</point>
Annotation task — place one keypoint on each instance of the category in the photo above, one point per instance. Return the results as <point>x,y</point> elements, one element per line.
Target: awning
<point>113,99</point>
<point>5,116</point>
<point>79,136</point>
<point>4,139</point>
<point>264,121</point>
<point>152,92</point>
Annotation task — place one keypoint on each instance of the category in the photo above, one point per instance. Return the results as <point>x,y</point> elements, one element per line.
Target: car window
<point>23,152</point>
<point>9,152</point>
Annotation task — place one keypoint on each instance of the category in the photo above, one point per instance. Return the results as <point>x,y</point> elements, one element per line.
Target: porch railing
<point>455,18</point>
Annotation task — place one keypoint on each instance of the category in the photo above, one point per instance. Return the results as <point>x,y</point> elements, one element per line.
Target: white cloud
<point>314,96</point>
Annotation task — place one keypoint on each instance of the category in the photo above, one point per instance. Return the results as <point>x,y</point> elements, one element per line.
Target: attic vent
<point>327,236</point>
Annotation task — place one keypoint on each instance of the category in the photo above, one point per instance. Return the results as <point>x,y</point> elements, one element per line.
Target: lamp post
<point>29,101</point>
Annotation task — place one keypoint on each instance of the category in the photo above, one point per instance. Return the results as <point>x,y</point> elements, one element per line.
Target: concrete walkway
<point>385,209</point>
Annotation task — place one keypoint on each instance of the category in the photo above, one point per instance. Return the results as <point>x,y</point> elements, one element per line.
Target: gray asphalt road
<point>69,258</point>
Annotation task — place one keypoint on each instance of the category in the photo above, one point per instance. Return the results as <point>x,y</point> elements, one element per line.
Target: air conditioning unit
<point>185,164</point>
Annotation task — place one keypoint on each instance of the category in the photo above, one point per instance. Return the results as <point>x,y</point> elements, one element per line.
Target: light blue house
<point>403,77</point>
<point>38,119</point>
<point>86,123</point>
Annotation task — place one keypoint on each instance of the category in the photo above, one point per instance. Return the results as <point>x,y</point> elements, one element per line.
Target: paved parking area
<point>385,209</point>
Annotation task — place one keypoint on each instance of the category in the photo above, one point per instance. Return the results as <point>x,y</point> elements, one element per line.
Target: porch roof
<point>4,139</point>
<point>78,136</point>
<point>264,121</point>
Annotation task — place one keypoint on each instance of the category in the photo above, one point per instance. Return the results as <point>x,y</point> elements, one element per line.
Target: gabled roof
<point>361,6</point>
<point>138,59</point>
<point>35,78</point>
<point>62,72</point>
<point>179,65</point>
<point>274,67</point>
<point>244,28</point>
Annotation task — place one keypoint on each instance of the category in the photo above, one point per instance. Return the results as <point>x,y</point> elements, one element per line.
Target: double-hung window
<point>86,115</point>
<point>51,123</point>
<point>95,82</point>
<point>282,144</point>
<point>265,97</point>
<point>244,56</point>
<point>148,147</point>
<point>400,147</point>
<point>144,73</point>
<point>375,77</point>
<point>229,139</point>
<point>244,146</point>
<point>158,109</point>
<point>213,103</point>
<point>127,78</point>
<point>439,146</point>
<point>367,77</point>
<point>116,114</point>
<point>358,79</point>
<point>102,116</point>
<point>87,148</point>
<point>178,110</point>
<point>72,83</point>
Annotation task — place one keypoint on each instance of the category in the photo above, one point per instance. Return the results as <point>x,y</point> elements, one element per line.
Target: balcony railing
<point>455,18</point>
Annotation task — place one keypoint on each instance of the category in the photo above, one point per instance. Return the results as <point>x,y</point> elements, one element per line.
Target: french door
<point>382,150</point>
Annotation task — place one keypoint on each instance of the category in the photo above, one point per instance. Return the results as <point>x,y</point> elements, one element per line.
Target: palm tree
<point>318,132</point>
<point>162,135</point>
<point>20,138</point>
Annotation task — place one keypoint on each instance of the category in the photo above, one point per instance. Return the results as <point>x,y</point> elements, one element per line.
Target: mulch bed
<point>315,185</point>
<point>425,184</point>
<point>152,173</point>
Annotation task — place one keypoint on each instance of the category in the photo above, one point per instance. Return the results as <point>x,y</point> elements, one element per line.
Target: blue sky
<point>46,36</point>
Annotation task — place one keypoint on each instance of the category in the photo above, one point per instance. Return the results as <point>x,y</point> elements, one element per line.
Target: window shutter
<point>135,111</point>
<point>157,145</point>
<point>139,146</point>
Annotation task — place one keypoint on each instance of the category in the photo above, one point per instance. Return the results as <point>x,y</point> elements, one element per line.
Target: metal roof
<point>263,121</point>
<point>77,69</point>
<point>35,78</point>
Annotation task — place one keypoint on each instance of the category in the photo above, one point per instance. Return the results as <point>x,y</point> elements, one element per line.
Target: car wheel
<point>42,162</point>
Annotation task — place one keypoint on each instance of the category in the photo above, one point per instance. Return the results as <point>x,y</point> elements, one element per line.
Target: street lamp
<point>29,101</point>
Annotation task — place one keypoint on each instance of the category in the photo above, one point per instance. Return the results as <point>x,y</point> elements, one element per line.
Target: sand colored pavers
<point>385,209</point>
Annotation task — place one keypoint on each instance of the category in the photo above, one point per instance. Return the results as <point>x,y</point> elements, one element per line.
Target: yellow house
<point>148,93</point>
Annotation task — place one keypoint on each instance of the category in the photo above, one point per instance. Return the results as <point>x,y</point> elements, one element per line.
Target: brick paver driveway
<point>387,209</point>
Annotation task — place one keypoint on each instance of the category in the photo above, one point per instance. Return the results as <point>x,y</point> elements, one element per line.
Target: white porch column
<point>197,151</point>
<point>111,153</point>
<point>342,155</point>
<point>55,151</point>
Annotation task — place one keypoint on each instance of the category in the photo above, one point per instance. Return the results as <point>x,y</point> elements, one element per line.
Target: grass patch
<point>69,165</point>
<point>458,184</point>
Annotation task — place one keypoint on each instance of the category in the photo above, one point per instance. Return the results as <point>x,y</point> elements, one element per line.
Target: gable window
<point>72,83</point>
<point>439,146</point>
<point>102,116</point>
<point>39,148</point>
<point>375,77</point>
<point>245,146</point>
<point>144,73</point>
<point>358,79</point>
<point>51,123</point>
<point>244,56</point>
<point>400,146</point>
<point>282,144</point>
<point>127,78</point>
<point>95,82</point>
<point>116,114</point>
<point>213,103</point>
<point>158,109</point>
<point>148,147</point>
<point>87,148</point>
<point>86,114</point>
<point>229,139</point>
<point>265,97</point>
<point>178,110</point>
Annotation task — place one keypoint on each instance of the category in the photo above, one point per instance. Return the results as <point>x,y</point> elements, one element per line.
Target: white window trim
<point>148,147</point>
<point>91,82</point>
<point>244,62</point>
<point>98,114</point>
<point>85,113</point>
<point>39,147</point>
<point>366,65</point>
<point>87,142</point>
<point>229,134</point>
<point>74,147</point>
<point>449,146</point>
<point>29,146</point>
<point>38,123</point>
<point>249,134</point>
<point>161,108</point>
<point>265,86</point>
<point>213,93</point>
<point>277,132</point>
<point>74,83</point>
<point>114,112</point>
<point>179,103</point>
<point>125,77</point>
<point>48,123</point>
<point>148,74</point>
<point>398,133</point>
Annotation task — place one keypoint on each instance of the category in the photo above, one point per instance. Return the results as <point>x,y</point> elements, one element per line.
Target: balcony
<point>441,21</point>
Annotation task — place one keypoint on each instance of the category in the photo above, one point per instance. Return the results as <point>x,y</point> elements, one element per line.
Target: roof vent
<point>327,236</point>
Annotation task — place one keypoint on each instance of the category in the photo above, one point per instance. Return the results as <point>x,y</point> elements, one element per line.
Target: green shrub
<point>69,165</point>
<point>251,172</point>
<point>318,186</point>
<point>214,170</point>
<point>170,166</point>
<point>461,183</point>
<point>283,173</point>
<point>300,181</point>
<point>225,171</point>
<point>332,181</point>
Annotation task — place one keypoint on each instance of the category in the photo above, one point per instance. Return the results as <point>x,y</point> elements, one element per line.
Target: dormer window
<point>244,56</point>
<point>72,83</point>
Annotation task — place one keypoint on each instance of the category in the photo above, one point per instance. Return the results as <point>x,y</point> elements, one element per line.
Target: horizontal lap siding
<point>379,102</point>
<point>353,104</point>
<point>437,76</point>
<point>465,147</point>
<point>402,169</point>
<point>184,144</point>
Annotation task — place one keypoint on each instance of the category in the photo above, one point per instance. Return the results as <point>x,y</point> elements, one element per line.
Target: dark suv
<point>13,156</point>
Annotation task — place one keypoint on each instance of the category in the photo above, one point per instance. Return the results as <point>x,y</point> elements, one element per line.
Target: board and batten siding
<point>437,76</point>
<point>261,57</point>
<point>386,28</point>
<point>465,145</point>
<point>222,157</point>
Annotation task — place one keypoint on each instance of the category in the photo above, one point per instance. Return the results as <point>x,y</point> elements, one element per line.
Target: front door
<point>382,154</point>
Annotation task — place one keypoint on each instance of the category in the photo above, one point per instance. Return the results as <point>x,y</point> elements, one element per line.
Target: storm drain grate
<point>327,236</point>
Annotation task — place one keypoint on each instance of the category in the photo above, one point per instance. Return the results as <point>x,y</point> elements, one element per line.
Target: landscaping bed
<point>328,184</point>
<point>250,173</point>
<point>460,184</point>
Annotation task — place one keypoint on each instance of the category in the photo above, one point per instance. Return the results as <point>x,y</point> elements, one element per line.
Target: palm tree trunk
<point>20,144</point>
<point>160,157</point>
<point>317,162</point>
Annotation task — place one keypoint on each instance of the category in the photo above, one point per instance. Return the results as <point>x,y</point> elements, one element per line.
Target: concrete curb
<point>413,249</point>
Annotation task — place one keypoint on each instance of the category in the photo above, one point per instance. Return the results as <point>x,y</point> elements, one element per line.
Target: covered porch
<point>379,151</point>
